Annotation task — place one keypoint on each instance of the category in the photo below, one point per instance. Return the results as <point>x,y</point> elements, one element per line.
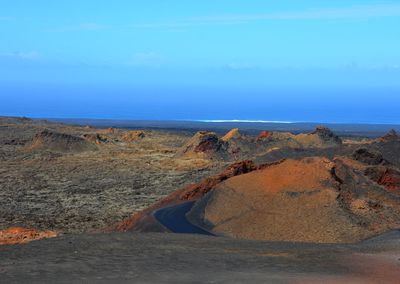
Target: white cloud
<point>351,12</point>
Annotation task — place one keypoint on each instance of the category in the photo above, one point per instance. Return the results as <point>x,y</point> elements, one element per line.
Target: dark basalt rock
<point>327,135</point>
<point>390,136</point>
<point>368,157</point>
<point>386,177</point>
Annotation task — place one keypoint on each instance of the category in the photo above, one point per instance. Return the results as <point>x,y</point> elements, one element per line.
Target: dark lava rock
<point>327,135</point>
<point>385,176</point>
<point>390,136</point>
<point>368,157</point>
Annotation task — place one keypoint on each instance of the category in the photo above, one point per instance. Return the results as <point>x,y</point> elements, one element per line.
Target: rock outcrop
<point>95,138</point>
<point>322,137</point>
<point>390,136</point>
<point>369,157</point>
<point>240,146</point>
<point>232,134</point>
<point>264,135</point>
<point>18,235</point>
<point>131,136</point>
<point>205,144</point>
<point>385,176</point>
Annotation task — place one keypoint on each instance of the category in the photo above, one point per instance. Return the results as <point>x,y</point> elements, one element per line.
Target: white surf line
<point>243,120</point>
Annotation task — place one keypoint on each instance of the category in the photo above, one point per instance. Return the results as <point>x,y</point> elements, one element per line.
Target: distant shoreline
<point>222,126</point>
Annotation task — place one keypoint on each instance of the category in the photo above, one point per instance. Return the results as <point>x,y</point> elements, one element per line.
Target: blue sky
<point>174,55</point>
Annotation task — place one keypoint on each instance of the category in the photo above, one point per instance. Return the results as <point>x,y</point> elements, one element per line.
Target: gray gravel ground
<point>173,258</point>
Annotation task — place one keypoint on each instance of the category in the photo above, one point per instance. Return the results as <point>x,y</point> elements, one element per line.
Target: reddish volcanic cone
<point>206,145</point>
<point>144,221</point>
<point>310,200</point>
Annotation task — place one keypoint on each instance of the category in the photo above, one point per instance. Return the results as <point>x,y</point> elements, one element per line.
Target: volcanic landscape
<point>82,203</point>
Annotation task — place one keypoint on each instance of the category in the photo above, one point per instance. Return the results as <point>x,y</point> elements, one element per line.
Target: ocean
<point>269,104</point>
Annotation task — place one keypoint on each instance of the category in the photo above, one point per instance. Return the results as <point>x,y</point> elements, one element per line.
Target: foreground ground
<point>170,258</point>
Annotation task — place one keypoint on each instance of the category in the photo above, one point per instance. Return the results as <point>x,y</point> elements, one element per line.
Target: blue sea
<point>280,104</point>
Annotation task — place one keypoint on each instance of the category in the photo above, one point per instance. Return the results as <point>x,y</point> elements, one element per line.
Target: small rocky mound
<point>322,137</point>
<point>19,235</point>
<point>385,176</point>
<point>327,135</point>
<point>232,134</point>
<point>264,135</point>
<point>110,130</point>
<point>240,146</point>
<point>131,136</point>
<point>207,145</point>
<point>95,138</point>
<point>390,136</point>
<point>368,157</point>
<point>60,142</point>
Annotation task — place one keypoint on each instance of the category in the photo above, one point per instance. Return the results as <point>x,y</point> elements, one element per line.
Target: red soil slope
<point>19,235</point>
<point>313,200</point>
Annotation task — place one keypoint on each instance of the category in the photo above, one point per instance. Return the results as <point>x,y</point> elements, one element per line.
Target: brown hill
<point>206,145</point>
<point>240,146</point>
<point>264,135</point>
<point>232,134</point>
<point>313,199</point>
<point>144,221</point>
<point>322,137</point>
<point>59,142</point>
<point>389,146</point>
<point>390,136</point>
<point>131,136</point>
